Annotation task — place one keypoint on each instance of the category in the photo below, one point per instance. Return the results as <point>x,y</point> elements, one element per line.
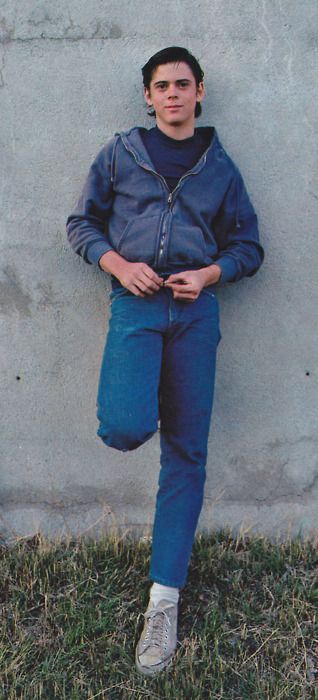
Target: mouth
<point>173,107</point>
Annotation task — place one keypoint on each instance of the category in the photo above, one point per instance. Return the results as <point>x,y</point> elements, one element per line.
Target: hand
<point>139,278</point>
<point>186,286</point>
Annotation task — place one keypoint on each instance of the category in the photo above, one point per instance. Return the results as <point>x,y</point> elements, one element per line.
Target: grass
<point>71,617</point>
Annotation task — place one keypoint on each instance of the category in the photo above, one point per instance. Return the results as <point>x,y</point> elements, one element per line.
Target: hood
<point>133,142</point>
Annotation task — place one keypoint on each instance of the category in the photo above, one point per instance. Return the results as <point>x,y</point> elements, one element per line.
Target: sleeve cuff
<point>228,269</point>
<point>96,251</point>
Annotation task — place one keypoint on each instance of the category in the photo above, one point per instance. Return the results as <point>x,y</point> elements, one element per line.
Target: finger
<point>136,291</point>
<point>180,297</point>
<point>178,278</point>
<point>149,291</point>
<point>184,296</point>
<point>185,293</point>
<point>149,283</point>
<point>177,284</point>
<point>142,287</point>
<point>147,286</point>
<point>151,274</point>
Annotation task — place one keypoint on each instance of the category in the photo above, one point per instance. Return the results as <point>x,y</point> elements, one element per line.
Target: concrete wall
<point>70,77</point>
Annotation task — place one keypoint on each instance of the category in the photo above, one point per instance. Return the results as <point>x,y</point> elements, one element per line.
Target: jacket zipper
<point>163,228</point>
<point>163,235</point>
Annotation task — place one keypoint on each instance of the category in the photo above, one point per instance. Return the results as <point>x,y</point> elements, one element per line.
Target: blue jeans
<point>159,362</point>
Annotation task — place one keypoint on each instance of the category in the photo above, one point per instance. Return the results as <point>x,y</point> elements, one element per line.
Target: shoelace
<point>155,631</point>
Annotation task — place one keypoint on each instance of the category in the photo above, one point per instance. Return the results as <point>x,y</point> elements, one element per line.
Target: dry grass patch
<point>71,616</point>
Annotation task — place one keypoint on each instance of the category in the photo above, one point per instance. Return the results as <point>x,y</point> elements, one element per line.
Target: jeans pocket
<point>118,292</point>
<point>214,308</point>
<point>208,292</point>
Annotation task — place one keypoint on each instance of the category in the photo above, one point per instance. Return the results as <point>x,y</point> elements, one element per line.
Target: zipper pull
<point>170,198</point>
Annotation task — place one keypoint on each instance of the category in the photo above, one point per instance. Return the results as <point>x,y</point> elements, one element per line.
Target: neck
<point>177,131</point>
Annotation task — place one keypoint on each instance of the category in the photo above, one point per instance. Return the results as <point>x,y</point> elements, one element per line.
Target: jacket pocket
<point>186,245</point>
<point>138,240</point>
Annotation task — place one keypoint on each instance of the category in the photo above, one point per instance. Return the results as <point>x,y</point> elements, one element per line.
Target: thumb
<point>178,277</point>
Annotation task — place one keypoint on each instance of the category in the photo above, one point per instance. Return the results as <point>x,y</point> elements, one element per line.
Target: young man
<point>166,213</point>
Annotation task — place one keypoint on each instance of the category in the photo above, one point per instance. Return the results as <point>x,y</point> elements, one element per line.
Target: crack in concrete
<point>311,126</point>
<point>72,26</point>
<point>53,29</point>
<point>55,498</point>
<point>269,43</point>
<point>312,484</point>
<point>6,33</point>
<point>73,40</point>
<point>293,499</point>
<point>289,57</point>
<point>279,479</point>
<point>281,443</point>
<point>58,504</point>
<point>12,295</point>
<point>2,66</point>
<point>284,38</point>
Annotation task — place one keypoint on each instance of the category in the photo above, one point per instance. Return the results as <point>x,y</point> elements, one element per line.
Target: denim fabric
<point>159,363</point>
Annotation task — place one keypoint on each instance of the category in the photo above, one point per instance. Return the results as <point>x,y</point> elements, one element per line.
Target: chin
<point>175,122</point>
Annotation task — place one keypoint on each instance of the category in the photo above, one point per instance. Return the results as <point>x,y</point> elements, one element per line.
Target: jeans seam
<point>208,293</point>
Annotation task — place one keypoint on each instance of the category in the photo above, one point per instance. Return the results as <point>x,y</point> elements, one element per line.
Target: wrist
<point>210,274</point>
<point>113,263</point>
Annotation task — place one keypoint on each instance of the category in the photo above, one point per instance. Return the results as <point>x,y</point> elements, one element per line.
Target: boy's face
<point>173,93</point>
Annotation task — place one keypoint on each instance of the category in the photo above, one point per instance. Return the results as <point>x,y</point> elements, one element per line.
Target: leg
<point>128,388</point>
<point>187,384</point>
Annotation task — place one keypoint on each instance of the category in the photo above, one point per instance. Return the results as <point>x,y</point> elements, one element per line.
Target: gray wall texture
<point>70,77</point>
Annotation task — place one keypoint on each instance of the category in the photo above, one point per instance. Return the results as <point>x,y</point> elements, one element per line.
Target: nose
<point>172,91</point>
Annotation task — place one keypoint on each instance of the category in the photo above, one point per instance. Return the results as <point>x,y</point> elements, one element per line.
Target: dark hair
<point>173,54</point>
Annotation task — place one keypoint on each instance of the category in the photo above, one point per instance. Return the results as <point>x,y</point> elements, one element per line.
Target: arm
<point>236,233</point>
<point>87,225</point>
<point>240,253</point>
<point>87,230</point>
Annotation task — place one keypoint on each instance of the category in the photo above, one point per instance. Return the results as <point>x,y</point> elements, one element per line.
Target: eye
<point>183,83</point>
<point>161,86</point>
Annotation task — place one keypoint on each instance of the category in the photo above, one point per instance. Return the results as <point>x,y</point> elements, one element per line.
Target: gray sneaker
<point>159,637</point>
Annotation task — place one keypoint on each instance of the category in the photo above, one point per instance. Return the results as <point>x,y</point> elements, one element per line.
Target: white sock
<point>159,592</point>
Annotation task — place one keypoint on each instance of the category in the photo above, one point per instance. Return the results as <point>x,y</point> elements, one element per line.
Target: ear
<point>200,92</point>
<point>147,96</point>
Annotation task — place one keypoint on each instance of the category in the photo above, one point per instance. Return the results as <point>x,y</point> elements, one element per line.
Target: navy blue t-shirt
<point>173,158</point>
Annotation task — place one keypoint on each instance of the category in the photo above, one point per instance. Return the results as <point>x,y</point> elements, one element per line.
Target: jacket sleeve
<point>236,232</point>
<point>87,225</point>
